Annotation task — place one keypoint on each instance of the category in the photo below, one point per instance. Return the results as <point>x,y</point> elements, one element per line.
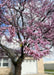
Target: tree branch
<point>22,51</point>
<point>10,52</point>
<point>50,11</point>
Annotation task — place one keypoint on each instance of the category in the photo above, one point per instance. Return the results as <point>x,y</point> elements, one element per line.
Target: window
<point>0,62</point>
<point>30,60</point>
<point>3,62</point>
<point>26,60</point>
<point>33,60</point>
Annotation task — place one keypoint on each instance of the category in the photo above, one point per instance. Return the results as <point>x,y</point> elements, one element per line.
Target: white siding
<point>29,67</point>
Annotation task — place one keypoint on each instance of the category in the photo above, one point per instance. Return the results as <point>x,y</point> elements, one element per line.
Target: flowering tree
<point>31,23</point>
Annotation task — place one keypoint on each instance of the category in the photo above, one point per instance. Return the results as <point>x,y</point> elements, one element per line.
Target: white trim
<point>2,61</point>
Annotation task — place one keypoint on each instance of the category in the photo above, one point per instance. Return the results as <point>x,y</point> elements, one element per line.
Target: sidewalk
<point>39,74</point>
<point>43,74</point>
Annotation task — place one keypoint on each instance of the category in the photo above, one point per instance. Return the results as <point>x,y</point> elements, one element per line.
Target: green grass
<point>50,70</point>
<point>52,74</point>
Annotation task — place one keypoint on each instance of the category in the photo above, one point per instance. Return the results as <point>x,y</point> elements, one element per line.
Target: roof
<point>49,62</point>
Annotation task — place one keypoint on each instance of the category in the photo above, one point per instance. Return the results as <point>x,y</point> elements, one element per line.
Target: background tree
<point>31,23</point>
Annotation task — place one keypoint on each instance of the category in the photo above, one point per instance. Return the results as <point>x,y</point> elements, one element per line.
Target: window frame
<point>2,62</point>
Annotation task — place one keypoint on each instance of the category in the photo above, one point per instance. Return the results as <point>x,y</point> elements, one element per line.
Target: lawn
<point>49,72</point>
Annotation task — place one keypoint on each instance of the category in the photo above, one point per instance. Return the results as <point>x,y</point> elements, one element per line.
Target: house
<point>49,65</point>
<point>29,66</point>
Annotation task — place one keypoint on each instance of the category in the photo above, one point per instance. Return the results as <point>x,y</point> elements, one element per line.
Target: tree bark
<point>18,66</point>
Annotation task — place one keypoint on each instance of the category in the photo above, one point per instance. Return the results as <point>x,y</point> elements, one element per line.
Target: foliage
<point>29,21</point>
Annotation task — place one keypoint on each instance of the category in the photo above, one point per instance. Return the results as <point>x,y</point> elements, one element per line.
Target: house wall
<point>5,71</point>
<point>49,66</point>
<point>39,67</point>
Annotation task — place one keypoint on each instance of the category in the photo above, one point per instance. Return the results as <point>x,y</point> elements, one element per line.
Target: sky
<point>50,57</point>
<point>45,59</point>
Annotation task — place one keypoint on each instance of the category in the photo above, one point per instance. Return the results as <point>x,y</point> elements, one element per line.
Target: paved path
<point>39,74</point>
<point>49,72</point>
<point>43,74</point>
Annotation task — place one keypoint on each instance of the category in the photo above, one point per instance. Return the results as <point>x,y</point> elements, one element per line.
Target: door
<point>29,67</point>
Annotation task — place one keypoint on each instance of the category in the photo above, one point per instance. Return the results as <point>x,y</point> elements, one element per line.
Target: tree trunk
<point>18,63</point>
<point>18,69</point>
<point>18,66</point>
